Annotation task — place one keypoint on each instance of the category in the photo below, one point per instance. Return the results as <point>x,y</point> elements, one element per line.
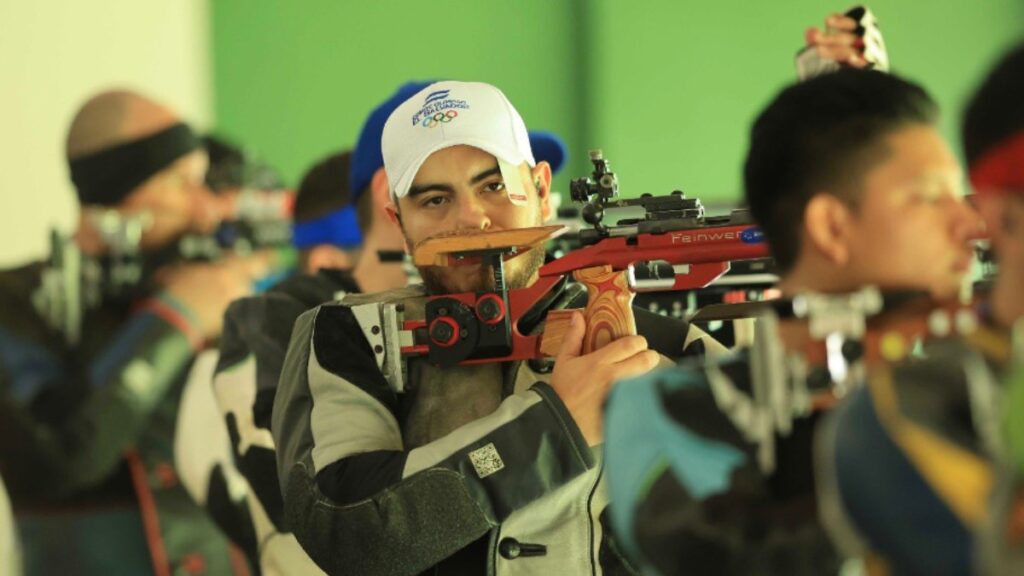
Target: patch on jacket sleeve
<point>341,348</point>
<point>486,460</point>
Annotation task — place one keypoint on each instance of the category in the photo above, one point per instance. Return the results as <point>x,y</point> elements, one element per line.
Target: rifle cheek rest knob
<point>444,331</point>
<point>490,309</point>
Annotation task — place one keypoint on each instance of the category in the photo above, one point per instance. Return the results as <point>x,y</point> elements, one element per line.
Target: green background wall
<point>667,88</point>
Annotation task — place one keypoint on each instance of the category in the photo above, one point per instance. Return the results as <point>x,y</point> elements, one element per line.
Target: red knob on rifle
<point>490,309</point>
<point>444,331</point>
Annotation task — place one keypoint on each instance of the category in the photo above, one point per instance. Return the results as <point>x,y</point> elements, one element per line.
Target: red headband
<point>1001,168</point>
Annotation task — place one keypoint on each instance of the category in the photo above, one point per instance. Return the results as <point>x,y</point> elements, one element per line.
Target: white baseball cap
<point>450,113</point>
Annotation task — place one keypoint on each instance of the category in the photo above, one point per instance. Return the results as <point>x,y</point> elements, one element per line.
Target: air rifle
<point>73,283</point>
<point>259,219</point>
<point>833,343</point>
<point>672,245</point>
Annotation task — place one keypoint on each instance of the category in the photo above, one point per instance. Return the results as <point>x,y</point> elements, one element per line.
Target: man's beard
<point>519,273</point>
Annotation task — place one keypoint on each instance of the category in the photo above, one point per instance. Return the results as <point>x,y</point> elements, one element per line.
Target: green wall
<point>295,80</point>
<point>667,88</point>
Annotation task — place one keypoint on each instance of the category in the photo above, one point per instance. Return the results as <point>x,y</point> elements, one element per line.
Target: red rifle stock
<point>698,256</point>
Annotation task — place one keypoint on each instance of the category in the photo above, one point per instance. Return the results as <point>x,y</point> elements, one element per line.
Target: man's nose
<point>966,222</point>
<point>472,213</point>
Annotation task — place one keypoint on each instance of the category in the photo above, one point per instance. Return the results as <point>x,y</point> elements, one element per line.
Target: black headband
<point>108,176</point>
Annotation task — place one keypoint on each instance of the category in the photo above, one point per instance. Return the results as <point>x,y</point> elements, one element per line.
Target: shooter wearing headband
<point>107,176</point>
<point>88,393</point>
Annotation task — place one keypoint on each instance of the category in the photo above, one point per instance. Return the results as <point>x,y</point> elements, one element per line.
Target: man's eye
<point>927,196</point>
<point>433,201</point>
<point>498,186</point>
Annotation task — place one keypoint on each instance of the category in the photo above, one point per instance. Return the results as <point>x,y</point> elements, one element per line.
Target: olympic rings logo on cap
<point>439,118</point>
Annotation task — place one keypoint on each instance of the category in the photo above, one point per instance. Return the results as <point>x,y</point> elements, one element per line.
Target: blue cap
<point>548,147</point>
<point>367,157</point>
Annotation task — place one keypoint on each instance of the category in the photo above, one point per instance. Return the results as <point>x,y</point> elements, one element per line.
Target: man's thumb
<point>572,341</point>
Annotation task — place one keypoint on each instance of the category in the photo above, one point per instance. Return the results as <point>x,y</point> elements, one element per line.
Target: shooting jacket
<point>472,470</point>
<point>688,495</point>
<point>906,465</point>
<point>256,334</point>
<point>86,440</point>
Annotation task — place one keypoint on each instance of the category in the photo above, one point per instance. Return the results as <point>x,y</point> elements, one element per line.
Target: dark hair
<point>232,167</point>
<point>996,111</point>
<point>324,188</point>
<point>822,134</point>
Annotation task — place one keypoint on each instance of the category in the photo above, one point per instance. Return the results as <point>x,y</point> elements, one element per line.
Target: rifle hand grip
<point>608,315</point>
<point>609,312</point>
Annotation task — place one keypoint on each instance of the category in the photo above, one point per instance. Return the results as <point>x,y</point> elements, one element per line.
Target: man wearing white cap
<point>468,470</point>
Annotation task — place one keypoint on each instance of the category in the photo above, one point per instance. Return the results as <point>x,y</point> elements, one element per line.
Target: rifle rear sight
<point>600,191</point>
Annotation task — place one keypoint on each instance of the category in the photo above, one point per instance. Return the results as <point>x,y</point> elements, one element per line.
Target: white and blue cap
<point>449,113</point>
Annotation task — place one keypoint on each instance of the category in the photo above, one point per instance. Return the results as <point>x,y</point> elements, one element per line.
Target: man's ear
<point>541,176</point>
<point>380,189</point>
<point>383,202</point>
<point>827,228</point>
<point>87,236</point>
<point>382,197</point>
<point>391,210</point>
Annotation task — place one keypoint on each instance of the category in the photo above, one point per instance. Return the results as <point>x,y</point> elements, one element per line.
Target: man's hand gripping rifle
<point>673,246</point>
